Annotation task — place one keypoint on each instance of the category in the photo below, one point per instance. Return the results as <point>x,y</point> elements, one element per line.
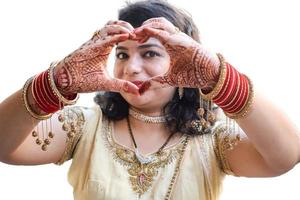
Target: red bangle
<point>225,86</point>
<point>42,94</point>
<point>52,107</point>
<point>234,93</point>
<point>36,96</point>
<point>231,93</point>
<point>230,89</point>
<point>238,99</point>
<point>244,99</point>
<point>51,97</point>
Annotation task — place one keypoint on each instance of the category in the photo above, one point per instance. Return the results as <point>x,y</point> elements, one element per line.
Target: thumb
<point>155,83</point>
<point>118,85</point>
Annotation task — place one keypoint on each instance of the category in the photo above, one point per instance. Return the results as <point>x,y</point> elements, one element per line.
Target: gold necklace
<point>144,118</point>
<point>144,159</point>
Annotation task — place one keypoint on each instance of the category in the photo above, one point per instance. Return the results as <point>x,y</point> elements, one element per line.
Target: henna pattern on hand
<point>85,69</point>
<point>191,64</point>
<point>191,67</point>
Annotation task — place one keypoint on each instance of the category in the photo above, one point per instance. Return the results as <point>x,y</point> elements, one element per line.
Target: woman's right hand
<point>85,70</point>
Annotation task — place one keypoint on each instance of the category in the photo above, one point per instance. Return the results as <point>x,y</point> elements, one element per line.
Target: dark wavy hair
<point>179,112</point>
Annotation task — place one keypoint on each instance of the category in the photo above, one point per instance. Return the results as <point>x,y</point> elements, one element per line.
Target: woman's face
<point>138,62</point>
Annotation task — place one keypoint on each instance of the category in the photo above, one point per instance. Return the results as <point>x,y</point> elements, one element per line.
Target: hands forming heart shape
<point>84,70</point>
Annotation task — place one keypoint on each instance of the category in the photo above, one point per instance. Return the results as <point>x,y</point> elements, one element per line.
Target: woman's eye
<point>121,56</point>
<point>151,54</point>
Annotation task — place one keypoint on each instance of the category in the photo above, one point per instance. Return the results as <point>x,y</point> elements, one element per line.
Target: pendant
<point>143,159</point>
<point>141,179</point>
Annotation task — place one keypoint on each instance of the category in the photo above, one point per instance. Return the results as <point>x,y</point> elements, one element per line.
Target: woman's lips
<point>142,85</point>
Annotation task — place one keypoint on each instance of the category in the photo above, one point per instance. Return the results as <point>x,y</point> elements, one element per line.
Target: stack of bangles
<point>46,95</point>
<point>233,92</point>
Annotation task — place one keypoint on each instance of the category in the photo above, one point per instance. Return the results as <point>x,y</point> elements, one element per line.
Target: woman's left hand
<point>191,64</point>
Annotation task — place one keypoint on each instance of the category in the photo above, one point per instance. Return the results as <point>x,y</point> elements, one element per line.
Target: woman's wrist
<point>41,96</point>
<point>59,88</point>
<point>30,103</point>
<point>208,68</point>
<point>233,91</point>
<point>61,81</point>
<point>216,75</point>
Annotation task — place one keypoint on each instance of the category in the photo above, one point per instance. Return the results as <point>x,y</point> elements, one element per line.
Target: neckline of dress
<point>113,139</point>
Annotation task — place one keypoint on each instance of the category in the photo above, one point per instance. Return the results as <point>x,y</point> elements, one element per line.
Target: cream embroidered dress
<point>102,169</point>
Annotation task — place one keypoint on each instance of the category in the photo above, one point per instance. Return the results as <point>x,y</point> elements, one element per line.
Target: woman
<point>151,139</point>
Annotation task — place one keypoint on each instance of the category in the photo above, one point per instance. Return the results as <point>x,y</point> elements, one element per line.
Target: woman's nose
<point>133,66</point>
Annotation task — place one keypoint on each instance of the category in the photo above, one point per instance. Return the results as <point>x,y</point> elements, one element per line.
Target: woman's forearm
<point>274,136</point>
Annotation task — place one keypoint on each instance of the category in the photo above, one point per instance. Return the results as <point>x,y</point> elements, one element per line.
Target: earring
<point>180,92</point>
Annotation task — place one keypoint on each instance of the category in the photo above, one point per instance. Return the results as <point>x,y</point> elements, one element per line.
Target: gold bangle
<point>27,106</point>
<point>248,105</point>
<point>55,90</point>
<point>221,81</point>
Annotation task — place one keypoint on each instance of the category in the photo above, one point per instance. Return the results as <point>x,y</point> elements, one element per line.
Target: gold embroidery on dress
<point>141,176</point>
<point>224,141</point>
<point>72,120</point>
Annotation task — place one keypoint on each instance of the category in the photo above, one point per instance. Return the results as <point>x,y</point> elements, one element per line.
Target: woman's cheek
<point>117,72</point>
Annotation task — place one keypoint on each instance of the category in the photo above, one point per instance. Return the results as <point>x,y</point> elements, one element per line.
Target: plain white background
<point>260,38</point>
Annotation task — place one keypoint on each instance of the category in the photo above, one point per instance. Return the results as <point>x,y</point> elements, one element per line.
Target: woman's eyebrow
<point>121,48</point>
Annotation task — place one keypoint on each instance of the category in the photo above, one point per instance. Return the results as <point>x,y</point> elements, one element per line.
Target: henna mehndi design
<point>84,70</point>
<point>191,64</point>
<point>190,67</point>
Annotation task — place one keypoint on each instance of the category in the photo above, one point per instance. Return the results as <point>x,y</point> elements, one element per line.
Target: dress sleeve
<point>224,139</point>
<point>72,120</point>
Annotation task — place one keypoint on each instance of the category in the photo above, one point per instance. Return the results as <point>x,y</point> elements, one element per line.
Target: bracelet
<point>27,106</point>
<point>233,92</point>
<point>228,82</point>
<point>55,91</point>
<point>247,106</point>
<point>220,83</point>
<point>238,102</point>
<point>230,90</point>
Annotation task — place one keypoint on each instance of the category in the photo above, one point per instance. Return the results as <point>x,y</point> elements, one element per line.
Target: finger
<point>156,25</point>
<point>155,19</point>
<point>111,22</point>
<point>154,83</point>
<point>129,27</point>
<point>161,35</point>
<point>111,30</point>
<point>142,37</point>
<point>126,25</point>
<point>122,23</point>
<point>115,29</point>
<point>114,39</point>
<point>118,85</point>
<point>169,26</point>
<point>143,40</point>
